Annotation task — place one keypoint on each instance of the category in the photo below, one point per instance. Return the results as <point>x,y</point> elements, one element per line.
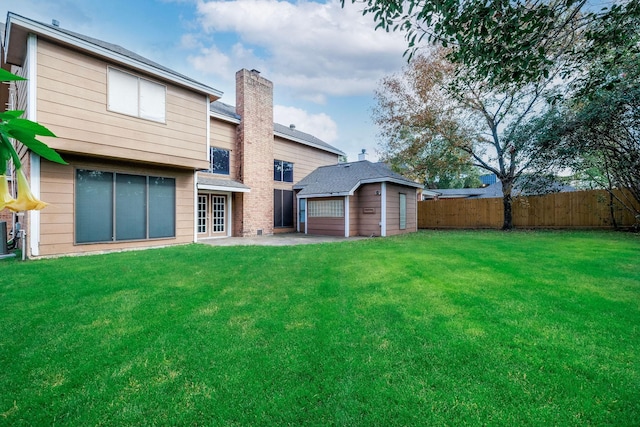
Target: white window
<point>135,96</point>
<point>202,213</point>
<point>326,209</point>
<point>403,211</point>
<point>219,210</point>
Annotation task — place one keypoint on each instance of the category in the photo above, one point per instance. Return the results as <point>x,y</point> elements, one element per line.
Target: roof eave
<point>393,180</point>
<point>32,26</point>
<point>224,117</point>
<point>322,195</point>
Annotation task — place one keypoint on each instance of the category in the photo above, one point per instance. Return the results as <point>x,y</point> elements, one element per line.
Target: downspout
<point>32,74</point>
<point>383,209</point>
<point>229,214</point>
<point>298,213</point>
<point>195,206</point>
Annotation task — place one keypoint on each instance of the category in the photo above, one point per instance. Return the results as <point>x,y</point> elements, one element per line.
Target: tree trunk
<point>506,202</point>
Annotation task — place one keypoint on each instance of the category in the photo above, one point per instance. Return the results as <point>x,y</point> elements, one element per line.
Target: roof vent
<point>55,22</point>
<point>292,126</point>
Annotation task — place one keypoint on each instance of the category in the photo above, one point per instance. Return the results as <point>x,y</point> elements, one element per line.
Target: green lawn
<point>434,328</point>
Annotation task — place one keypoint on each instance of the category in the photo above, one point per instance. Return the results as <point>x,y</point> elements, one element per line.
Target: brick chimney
<point>254,104</point>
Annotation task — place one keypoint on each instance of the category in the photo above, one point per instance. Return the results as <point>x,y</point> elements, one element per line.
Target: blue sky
<point>325,61</point>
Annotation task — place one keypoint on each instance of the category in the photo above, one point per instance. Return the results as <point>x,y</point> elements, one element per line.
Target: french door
<point>212,215</point>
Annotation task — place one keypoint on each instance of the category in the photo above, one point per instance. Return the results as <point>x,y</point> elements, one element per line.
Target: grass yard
<point>434,328</point>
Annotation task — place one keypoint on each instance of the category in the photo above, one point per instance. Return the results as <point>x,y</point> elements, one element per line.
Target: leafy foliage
<point>506,42</point>
<point>25,131</point>
<point>424,138</point>
<point>436,120</point>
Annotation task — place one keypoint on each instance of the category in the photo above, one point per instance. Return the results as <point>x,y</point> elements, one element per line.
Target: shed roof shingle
<point>344,178</point>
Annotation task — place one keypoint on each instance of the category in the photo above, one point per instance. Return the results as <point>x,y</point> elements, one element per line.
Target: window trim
<point>138,78</point>
<point>211,160</point>
<point>322,208</point>
<point>282,170</point>
<point>283,201</point>
<point>403,211</point>
<point>113,215</point>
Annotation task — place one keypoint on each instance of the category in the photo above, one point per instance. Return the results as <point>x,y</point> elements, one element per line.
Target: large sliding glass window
<point>162,207</point>
<point>131,207</point>
<point>282,208</point>
<point>113,207</point>
<point>94,206</point>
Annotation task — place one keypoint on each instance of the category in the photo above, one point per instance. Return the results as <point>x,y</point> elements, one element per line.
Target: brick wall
<point>254,103</point>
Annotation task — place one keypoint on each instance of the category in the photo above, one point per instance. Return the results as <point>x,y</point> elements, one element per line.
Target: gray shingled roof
<point>280,130</point>
<point>344,178</point>
<point>224,110</point>
<point>119,50</point>
<point>305,138</point>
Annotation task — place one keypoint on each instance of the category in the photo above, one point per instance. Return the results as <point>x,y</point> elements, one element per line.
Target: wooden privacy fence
<point>579,209</point>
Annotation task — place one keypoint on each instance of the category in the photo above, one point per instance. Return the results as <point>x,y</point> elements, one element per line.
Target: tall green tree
<point>435,119</point>
<point>422,135</point>
<point>596,130</point>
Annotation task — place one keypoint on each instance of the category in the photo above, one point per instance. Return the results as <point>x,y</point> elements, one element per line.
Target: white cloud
<point>312,49</point>
<point>319,125</point>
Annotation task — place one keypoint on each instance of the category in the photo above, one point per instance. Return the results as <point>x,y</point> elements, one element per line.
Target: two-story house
<point>153,159</point>
<point>254,163</point>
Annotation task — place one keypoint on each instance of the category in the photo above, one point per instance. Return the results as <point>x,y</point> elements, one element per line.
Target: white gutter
<point>346,216</point>
<point>383,210</point>
<point>32,84</point>
<point>224,117</point>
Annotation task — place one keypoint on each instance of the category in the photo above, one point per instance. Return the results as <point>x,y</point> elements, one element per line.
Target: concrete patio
<point>282,239</point>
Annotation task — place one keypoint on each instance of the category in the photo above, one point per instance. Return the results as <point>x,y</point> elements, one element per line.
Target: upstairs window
<point>135,96</point>
<point>282,171</point>
<point>219,161</point>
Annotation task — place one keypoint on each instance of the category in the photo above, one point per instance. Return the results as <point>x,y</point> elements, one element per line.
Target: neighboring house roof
<point>530,188</point>
<point>344,179</point>
<point>18,28</point>
<point>228,112</point>
<point>221,184</point>
<point>457,193</point>
<point>495,190</point>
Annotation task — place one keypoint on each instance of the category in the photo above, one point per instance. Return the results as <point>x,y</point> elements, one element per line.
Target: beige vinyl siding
<point>223,135</point>
<point>305,159</point>
<point>72,102</point>
<point>393,209</point>
<point>369,223</point>
<point>57,219</point>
